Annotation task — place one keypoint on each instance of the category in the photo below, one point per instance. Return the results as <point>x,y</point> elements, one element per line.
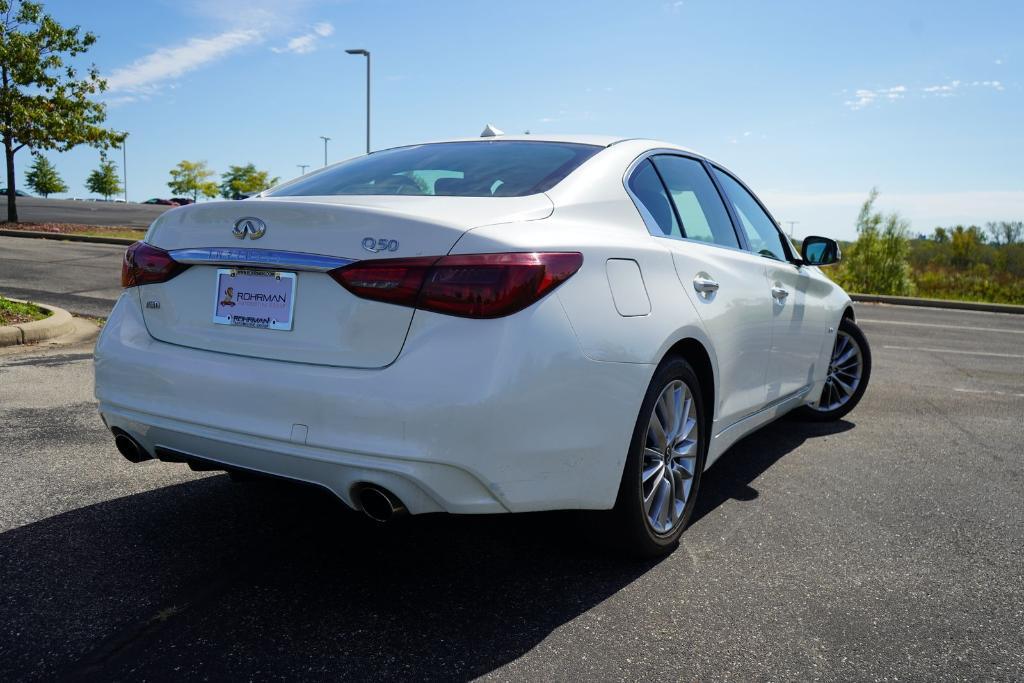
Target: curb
<point>67,238</point>
<point>937,303</point>
<point>57,325</point>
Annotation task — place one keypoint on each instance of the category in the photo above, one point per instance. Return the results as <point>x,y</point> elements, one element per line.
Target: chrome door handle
<point>780,294</point>
<point>705,285</point>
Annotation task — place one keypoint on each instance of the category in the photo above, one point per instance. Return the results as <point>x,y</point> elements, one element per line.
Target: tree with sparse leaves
<point>104,180</point>
<point>43,177</point>
<point>878,261</point>
<point>244,180</point>
<point>44,102</point>
<point>1006,232</point>
<point>192,178</point>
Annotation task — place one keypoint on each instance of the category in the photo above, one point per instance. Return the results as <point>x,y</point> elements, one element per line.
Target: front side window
<point>763,236</point>
<point>697,202</point>
<point>491,168</point>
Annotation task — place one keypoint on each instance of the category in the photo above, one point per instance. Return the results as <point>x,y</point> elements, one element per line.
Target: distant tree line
<point>188,178</point>
<point>956,262</point>
<point>194,178</point>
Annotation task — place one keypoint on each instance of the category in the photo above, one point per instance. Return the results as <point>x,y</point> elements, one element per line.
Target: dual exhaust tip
<point>376,502</point>
<point>131,449</point>
<point>379,504</point>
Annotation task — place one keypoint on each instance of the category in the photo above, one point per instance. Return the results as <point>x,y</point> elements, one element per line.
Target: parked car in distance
<point>182,201</point>
<point>481,326</point>
<point>17,192</point>
<point>162,202</point>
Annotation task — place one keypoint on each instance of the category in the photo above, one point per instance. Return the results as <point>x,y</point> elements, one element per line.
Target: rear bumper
<point>475,416</point>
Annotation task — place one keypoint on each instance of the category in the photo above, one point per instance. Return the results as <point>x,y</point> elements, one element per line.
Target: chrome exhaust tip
<point>130,448</point>
<point>379,504</point>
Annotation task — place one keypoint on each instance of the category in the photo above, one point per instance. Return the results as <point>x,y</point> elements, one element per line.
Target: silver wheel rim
<point>844,373</point>
<point>670,457</point>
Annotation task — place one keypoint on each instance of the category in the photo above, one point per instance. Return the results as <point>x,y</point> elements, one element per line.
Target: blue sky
<point>812,103</point>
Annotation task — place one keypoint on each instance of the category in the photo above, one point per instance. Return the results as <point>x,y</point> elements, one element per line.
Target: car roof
<point>597,140</point>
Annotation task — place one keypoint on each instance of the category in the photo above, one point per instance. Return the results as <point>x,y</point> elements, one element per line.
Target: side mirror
<point>820,251</point>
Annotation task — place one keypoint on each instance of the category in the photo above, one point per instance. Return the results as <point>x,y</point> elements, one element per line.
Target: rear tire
<point>663,469</point>
<point>848,374</point>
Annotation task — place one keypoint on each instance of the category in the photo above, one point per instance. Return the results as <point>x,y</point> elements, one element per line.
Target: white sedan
<point>480,326</point>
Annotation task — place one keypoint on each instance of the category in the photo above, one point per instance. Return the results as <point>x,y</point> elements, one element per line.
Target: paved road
<point>81,277</point>
<point>887,546</point>
<point>39,210</point>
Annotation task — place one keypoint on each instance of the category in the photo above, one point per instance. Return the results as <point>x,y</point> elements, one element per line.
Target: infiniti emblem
<point>253,227</point>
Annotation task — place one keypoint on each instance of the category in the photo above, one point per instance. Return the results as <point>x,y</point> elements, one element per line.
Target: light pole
<point>124,165</point>
<point>365,53</point>
<point>791,224</point>
<point>325,139</point>
<point>302,168</point>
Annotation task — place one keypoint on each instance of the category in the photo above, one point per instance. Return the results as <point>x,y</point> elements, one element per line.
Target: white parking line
<point>943,327</point>
<point>957,351</point>
<point>987,391</point>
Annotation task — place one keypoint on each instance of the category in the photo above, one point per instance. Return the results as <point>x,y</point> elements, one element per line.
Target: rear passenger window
<point>696,200</point>
<point>763,236</point>
<point>647,188</point>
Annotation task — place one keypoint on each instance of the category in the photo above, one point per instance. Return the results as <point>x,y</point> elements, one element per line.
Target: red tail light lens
<point>144,264</point>
<point>471,285</point>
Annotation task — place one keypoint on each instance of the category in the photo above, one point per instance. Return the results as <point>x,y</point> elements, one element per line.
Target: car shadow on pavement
<point>266,579</point>
<point>730,477</point>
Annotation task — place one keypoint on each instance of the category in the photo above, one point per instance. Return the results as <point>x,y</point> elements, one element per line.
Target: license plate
<point>254,298</point>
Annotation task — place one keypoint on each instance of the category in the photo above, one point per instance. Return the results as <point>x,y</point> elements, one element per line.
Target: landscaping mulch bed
<point>78,229</point>
<point>14,313</point>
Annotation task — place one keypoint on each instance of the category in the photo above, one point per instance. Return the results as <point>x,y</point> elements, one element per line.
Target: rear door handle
<point>705,285</point>
<point>780,294</point>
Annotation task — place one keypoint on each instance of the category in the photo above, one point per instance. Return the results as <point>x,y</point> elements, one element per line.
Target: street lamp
<point>365,53</point>
<point>302,168</point>
<point>325,139</point>
<point>124,165</point>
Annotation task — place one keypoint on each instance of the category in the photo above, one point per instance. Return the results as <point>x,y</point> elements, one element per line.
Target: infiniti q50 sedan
<point>480,326</point>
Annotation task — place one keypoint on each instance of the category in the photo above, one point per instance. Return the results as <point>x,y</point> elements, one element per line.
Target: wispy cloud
<point>307,42</point>
<point>146,74</point>
<point>864,97</point>
<point>951,88</point>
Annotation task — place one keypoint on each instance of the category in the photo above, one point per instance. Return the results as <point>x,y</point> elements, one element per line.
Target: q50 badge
<point>378,245</point>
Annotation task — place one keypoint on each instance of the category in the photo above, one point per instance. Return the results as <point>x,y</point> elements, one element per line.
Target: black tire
<point>633,530</point>
<point>817,415</point>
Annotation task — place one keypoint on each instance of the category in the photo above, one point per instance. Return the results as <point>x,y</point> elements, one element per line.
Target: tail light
<point>145,264</point>
<point>471,285</point>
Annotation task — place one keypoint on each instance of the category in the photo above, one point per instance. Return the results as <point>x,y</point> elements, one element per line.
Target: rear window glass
<point>494,168</point>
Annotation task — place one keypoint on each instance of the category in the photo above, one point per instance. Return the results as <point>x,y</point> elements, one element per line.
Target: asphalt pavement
<point>40,210</point>
<point>80,277</point>
<point>889,545</point>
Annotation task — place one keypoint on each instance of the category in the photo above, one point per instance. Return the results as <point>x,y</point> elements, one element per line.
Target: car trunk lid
<point>306,236</point>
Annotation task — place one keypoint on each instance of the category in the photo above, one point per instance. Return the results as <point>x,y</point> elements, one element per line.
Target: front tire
<point>663,469</point>
<point>849,370</point>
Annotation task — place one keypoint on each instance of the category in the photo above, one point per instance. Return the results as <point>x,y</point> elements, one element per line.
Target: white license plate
<point>254,298</point>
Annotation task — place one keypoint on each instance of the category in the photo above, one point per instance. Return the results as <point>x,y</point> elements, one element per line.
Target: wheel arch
<point>694,353</point>
<point>848,312</point>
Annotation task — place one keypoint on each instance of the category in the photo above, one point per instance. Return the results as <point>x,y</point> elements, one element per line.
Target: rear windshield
<point>492,168</point>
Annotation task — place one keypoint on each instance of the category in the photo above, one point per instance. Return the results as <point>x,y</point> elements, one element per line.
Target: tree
<point>940,235</point>
<point>1006,232</point>
<point>192,178</point>
<point>44,103</point>
<point>877,262</point>
<point>43,177</point>
<point>104,180</point>
<point>964,245</point>
<point>244,180</point>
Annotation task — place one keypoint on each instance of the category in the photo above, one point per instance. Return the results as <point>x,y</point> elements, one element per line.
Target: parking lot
<point>887,546</point>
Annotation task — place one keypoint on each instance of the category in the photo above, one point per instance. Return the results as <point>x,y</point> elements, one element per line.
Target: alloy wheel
<point>670,457</point>
<point>845,370</point>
